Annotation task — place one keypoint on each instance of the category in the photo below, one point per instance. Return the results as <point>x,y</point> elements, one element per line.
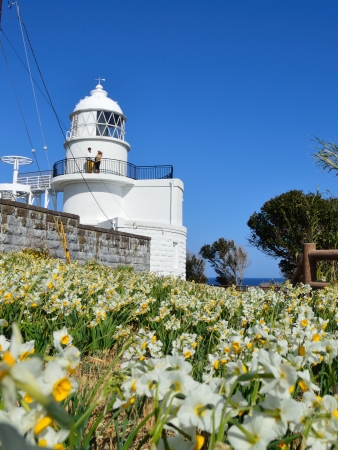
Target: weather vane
<point>100,79</point>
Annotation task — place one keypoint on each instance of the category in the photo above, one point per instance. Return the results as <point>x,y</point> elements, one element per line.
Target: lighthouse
<point>112,192</point>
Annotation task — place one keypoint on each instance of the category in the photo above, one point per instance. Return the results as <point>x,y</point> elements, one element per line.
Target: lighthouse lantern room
<point>106,190</point>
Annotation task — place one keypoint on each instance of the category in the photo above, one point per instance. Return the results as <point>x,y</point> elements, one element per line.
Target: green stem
<point>86,414</point>
<point>224,419</point>
<point>160,424</point>
<point>251,438</point>
<point>31,287</point>
<point>136,430</point>
<point>100,382</point>
<point>284,441</point>
<point>255,392</point>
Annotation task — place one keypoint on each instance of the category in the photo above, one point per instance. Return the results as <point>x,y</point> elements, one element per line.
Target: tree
<point>327,155</point>
<point>195,269</point>
<point>288,220</point>
<point>227,259</point>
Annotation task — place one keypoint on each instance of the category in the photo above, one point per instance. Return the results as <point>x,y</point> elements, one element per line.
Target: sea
<point>252,281</point>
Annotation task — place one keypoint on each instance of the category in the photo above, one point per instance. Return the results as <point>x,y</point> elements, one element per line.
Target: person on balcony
<point>98,161</point>
<point>90,161</point>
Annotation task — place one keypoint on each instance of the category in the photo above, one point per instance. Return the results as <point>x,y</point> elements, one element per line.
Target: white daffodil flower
<point>53,439</point>
<point>305,382</point>
<point>14,418</point>
<point>69,358</point>
<point>61,338</point>
<point>4,345</point>
<point>176,443</point>
<point>234,370</point>
<point>55,381</point>
<point>239,401</point>
<point>177,382</point>
<point>218,386</point>
<point>147,384</point>
<point>295,361</point>
<point>284,375</point>
<point>262,430</point>
<point>329,405</point>
<point>312,401</point>
<point>179,443</point>
<point>25,350</point>
<point>178,363</point>
<point>320,438</point>
<point>330,347</point>
<point>288,410</point>
<point>201,408</point>
<point>123,402</point>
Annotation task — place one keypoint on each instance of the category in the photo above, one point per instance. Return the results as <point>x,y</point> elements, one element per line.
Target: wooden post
<point>309,265</point>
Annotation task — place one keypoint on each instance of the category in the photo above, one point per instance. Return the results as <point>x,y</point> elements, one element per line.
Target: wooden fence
<point>306,272</point>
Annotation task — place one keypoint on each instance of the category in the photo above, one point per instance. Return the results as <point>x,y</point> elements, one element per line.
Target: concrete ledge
<point>37,209</point>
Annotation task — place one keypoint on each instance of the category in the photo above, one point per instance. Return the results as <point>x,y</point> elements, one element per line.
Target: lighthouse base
<point>167,246</point>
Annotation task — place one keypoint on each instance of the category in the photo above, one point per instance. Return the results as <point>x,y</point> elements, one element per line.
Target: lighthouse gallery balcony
<point>113,167</point>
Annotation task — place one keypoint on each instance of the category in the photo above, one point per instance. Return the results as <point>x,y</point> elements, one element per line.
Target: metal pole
<point>171,202</point>
<point>16,170</point>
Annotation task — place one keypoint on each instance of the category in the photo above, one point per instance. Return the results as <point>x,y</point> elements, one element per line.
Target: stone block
<point>7,210</point>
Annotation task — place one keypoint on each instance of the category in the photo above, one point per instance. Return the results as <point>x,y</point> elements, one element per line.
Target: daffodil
<point>62,338</point>
<point>255,433</point>
<point>284,375</point>
<point>56,382</point>
<point>53,439</point>
<point>201,408</point>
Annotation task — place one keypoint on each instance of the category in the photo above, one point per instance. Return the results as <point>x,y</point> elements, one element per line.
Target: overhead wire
<point>30,75</point>
<point>57,118</point>
<point>18,101</point>
<point>36,84</point>
<point>19,104</point>
<point>16,94</point>
<point>24,65</point>
<point>49,101</point>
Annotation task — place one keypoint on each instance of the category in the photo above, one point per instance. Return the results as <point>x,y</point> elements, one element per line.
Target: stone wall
<point>25,226</point>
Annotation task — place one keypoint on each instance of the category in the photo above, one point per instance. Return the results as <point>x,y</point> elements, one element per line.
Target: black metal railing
<point>113,167</point>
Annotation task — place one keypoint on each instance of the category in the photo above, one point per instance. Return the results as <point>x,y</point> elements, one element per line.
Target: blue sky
<point>230,92</point>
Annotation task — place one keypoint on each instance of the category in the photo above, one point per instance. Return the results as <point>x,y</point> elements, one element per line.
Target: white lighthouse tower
<point>143,200</point>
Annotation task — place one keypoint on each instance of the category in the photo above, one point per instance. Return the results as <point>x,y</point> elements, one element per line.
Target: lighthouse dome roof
<point>98,101</point>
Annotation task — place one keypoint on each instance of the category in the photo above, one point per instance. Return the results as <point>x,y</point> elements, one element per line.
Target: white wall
<point>141,206</point>
<point>167,246</point>
<point>111,148</point>
<point>77,200</point>
<point>149,200</point>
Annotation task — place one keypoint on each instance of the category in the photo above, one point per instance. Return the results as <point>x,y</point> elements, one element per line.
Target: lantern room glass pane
<point>109,124</point>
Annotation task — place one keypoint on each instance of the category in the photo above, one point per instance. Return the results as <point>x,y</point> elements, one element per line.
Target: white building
<point>139,200</point>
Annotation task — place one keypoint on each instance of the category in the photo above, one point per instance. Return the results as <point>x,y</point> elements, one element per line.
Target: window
<point>110,124</point>
<point>99,123</point>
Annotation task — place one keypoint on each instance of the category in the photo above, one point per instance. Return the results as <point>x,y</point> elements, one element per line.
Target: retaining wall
<point>25,226</point>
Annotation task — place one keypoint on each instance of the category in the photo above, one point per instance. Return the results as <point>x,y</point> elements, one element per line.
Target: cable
<point>36,84</point>
<point>30,74</point>
<point>36,160</point>
<point>16,95</point>
<point>42,93</point>
<point>49,101</point>
<point>0,12</point>
<point>57,118</point>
